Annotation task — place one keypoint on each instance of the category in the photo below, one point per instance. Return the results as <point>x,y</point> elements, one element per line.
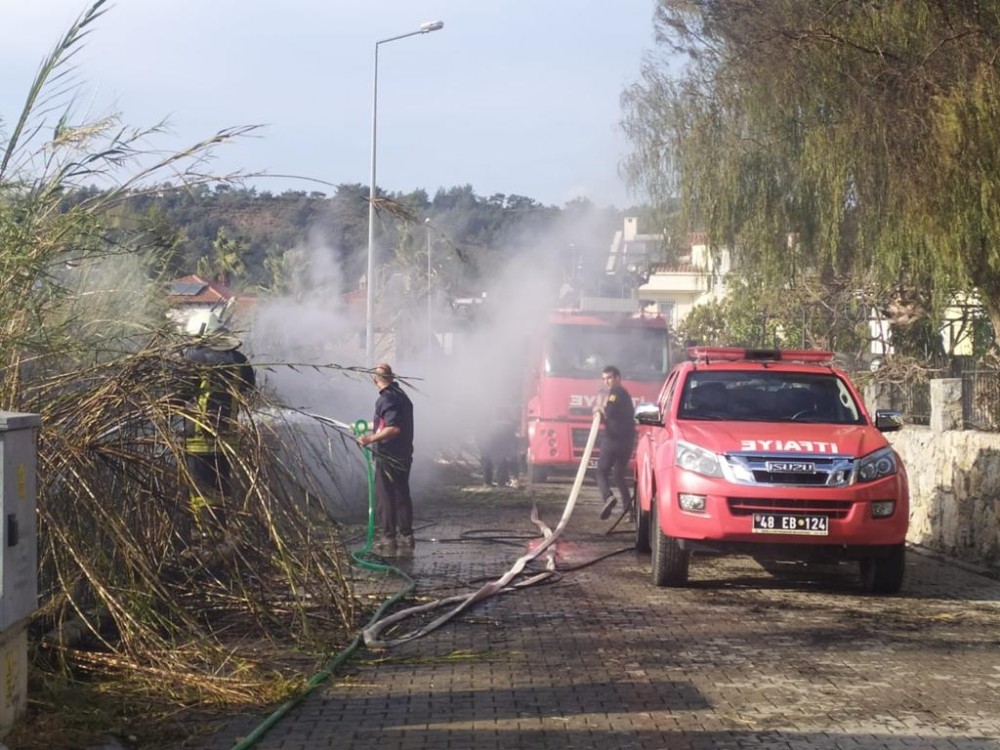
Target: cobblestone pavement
<point>795,657</point>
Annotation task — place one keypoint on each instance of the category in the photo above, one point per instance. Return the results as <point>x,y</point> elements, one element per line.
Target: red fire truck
<point>565,378</point>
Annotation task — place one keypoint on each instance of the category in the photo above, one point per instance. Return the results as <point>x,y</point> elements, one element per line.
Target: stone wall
<point>954,491</point>
<point>954,479</point>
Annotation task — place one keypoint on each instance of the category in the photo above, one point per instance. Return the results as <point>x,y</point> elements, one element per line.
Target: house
<point>964,311</point>
<point>698,276</point>
<point>190,294</point>
<point>631,251</point>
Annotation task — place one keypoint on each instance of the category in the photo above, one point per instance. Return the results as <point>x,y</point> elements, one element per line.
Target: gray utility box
<point>19,554</point>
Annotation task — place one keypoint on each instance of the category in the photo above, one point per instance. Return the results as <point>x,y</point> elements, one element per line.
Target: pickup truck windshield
<point>579,351</point>
<point>768,396</point>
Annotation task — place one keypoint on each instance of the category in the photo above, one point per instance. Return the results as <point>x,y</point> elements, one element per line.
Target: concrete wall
<point>954,480</point>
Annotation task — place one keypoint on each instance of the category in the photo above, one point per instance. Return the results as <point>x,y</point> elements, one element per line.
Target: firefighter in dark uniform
<point>617,441</point>
<point>219,376</point>
<point>391,440</point>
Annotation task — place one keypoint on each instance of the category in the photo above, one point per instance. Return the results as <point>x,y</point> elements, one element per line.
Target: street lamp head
<point>431,26</point>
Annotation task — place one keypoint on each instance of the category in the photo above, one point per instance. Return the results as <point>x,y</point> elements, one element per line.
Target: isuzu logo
<point>799,467</point>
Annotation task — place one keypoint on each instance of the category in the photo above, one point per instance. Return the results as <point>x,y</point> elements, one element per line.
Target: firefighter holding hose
<point>617,441</point>
<point>391,441</point>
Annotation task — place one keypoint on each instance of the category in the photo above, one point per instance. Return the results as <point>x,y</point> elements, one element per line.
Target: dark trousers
<point>612,464</point>
<point>211,486</point>
<point>211,473</point>
<point>393,506</point>
<point>503,467</point>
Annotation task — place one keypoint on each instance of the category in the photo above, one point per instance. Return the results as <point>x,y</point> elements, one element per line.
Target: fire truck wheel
<point>884,575</point>
<point>641,520</point>
<point>670,562</point>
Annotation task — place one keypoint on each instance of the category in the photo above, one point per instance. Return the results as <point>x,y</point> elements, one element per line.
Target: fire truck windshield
<point>579,351</point>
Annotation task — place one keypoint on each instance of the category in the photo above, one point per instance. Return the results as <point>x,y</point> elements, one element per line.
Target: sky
<point>511,96</point>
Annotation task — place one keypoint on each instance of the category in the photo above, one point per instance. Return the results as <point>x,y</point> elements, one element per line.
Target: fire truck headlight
<point>691,457</point>
<point>881,463</point>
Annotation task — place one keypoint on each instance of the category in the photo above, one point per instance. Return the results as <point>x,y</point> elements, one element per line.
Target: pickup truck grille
<point>746,506</point>
<point>794,470</point>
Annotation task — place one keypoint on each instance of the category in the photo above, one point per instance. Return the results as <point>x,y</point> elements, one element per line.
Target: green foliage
<point>742,318</point>
<point>226,261</point>
<point>755,314</point>
<point>708,325</point>
<point>864,130</point>
<point>85,344</point>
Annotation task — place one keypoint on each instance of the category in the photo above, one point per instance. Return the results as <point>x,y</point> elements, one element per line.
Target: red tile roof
<point>679,268</point>
<point>194,290</point>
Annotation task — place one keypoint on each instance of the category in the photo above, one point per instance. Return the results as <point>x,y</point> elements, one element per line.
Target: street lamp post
<point>370,297</point>
<point>430,328</point>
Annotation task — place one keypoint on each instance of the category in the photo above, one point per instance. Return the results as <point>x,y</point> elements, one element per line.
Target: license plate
<point>778,523</point>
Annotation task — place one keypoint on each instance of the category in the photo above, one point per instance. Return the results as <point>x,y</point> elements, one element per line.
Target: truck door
<point>649,439</point>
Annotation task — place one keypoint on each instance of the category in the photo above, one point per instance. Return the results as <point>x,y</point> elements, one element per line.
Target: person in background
<point>617,440</point>
<point>391,441</point>
<point>497,442</point>
<point>219,377</point>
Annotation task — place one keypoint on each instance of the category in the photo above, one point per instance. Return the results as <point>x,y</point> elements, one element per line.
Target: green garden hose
<point>360,428</point>
<point>370,632</point>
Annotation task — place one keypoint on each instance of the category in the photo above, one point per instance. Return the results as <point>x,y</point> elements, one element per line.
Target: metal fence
<point>913,400</point>
<point>981,400</point>
<point>980,397</point>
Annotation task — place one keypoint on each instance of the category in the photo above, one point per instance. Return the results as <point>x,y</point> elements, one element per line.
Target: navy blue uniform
<point>617,443</point>
<point>393,459</point>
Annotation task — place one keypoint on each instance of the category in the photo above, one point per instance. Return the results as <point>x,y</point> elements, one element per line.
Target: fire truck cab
<point>564,383</point>
<point>770,454</point>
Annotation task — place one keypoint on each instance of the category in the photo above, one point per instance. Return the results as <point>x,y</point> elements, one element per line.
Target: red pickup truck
<point>771,454</point>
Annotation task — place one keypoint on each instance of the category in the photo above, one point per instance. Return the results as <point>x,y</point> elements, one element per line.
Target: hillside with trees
<point>245,237</point>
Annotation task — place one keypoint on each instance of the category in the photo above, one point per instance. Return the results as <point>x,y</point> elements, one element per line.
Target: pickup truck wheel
<point>641,520</point>
<point>884,575</point>
<point>670,562</point>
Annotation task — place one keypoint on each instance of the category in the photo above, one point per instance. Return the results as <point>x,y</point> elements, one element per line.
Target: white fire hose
<point>372,631</point>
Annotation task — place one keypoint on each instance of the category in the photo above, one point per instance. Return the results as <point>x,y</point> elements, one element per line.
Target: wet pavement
<point>792,657</point>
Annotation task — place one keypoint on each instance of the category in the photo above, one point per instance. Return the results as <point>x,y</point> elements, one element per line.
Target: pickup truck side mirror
<point>888,421</point>
<point>648,414</point>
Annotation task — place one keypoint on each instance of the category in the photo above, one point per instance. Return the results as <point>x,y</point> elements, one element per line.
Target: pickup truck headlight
<point>881,463</point>
<point>883,508</point>
<point>691,457</point>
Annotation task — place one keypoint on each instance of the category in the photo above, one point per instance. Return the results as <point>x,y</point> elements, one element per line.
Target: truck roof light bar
<point>707,354</point>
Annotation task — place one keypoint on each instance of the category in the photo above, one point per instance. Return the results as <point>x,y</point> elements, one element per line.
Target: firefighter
<point>617,440</point>
<point>218,378</point>
<point>391,440</point>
